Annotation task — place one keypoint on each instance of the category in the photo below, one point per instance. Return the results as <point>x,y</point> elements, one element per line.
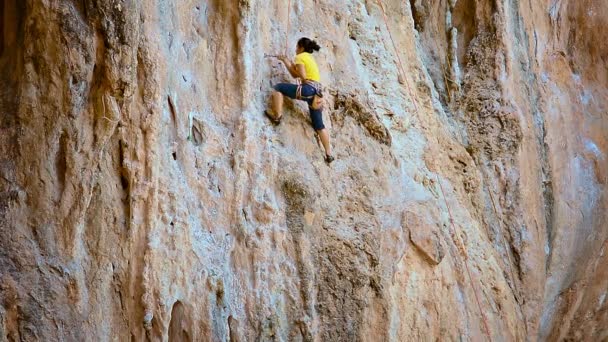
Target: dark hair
<point>308,45</point>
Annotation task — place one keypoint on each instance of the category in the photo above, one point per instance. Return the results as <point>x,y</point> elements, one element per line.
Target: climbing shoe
<point>328,159</point>
<point>274,120</point>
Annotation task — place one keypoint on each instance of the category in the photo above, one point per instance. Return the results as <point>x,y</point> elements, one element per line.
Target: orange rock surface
<point>145,196</point>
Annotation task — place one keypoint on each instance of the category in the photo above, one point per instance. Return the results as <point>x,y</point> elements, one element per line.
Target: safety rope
<point>507,250</point>
<point>466,262</point>
<point>447,86</point>
<point>403,74</point>
<point>504,242</point>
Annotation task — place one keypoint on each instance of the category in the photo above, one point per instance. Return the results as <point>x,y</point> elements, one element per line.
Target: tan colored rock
<point>425,237</point>
<point>144,195</point>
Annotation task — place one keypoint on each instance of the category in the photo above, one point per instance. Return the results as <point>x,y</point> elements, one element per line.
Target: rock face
<point>144,196</point>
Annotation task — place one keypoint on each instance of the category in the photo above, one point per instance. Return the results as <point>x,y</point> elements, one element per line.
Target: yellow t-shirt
<point>312,70</point>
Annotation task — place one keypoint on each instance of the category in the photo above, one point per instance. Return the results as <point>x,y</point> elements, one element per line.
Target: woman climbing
<point>309,89</point>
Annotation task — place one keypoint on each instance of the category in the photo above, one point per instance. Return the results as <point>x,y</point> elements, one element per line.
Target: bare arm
<point>295,70</point>
<point>300,71</point>
<point>291,68</point>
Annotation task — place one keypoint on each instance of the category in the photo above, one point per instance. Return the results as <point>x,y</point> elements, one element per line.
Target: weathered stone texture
<point>144,195</point>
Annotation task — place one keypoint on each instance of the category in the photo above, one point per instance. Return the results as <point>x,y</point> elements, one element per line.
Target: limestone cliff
<point>144,195</point>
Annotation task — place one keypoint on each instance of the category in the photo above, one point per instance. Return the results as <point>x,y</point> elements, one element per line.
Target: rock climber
<point>307,88</point>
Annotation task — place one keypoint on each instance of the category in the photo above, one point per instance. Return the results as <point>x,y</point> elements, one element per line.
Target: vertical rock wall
<point>145,196</point>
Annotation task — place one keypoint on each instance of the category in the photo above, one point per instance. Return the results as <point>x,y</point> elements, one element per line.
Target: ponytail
<point>308,45</point>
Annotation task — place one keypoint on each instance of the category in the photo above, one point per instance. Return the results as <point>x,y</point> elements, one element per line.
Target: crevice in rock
<point>61,165</point>
<point>233,329</point>
<point>1,27</point>
<point>197,132</point>
<point>124,182</point>
<point>172,110</point>
<point>123,173</point>
<point>547,191</point>
<point>124,177</point>
<point>464,20</point>
<point>12,14</point>
<point>81,8</point>
<point>419,14</point>
<point>178,330</point>
<point>9,24</point>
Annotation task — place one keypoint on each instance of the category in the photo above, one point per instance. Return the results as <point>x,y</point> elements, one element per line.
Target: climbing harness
<point>317,97</point>
<point>460,244</point>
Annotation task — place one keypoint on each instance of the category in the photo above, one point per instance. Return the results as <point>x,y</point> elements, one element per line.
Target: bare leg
<point>277,104</point>
<point>324,135</point>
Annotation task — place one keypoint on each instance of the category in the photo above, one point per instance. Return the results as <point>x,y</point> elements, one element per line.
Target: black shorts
<point>308,93</point>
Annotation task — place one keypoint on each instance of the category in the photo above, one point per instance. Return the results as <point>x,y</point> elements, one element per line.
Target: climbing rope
<point>507,250</point>
<point>403,75</point>
<point>503,240</point>
<point>466,262</point>
<point>461,245</point>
